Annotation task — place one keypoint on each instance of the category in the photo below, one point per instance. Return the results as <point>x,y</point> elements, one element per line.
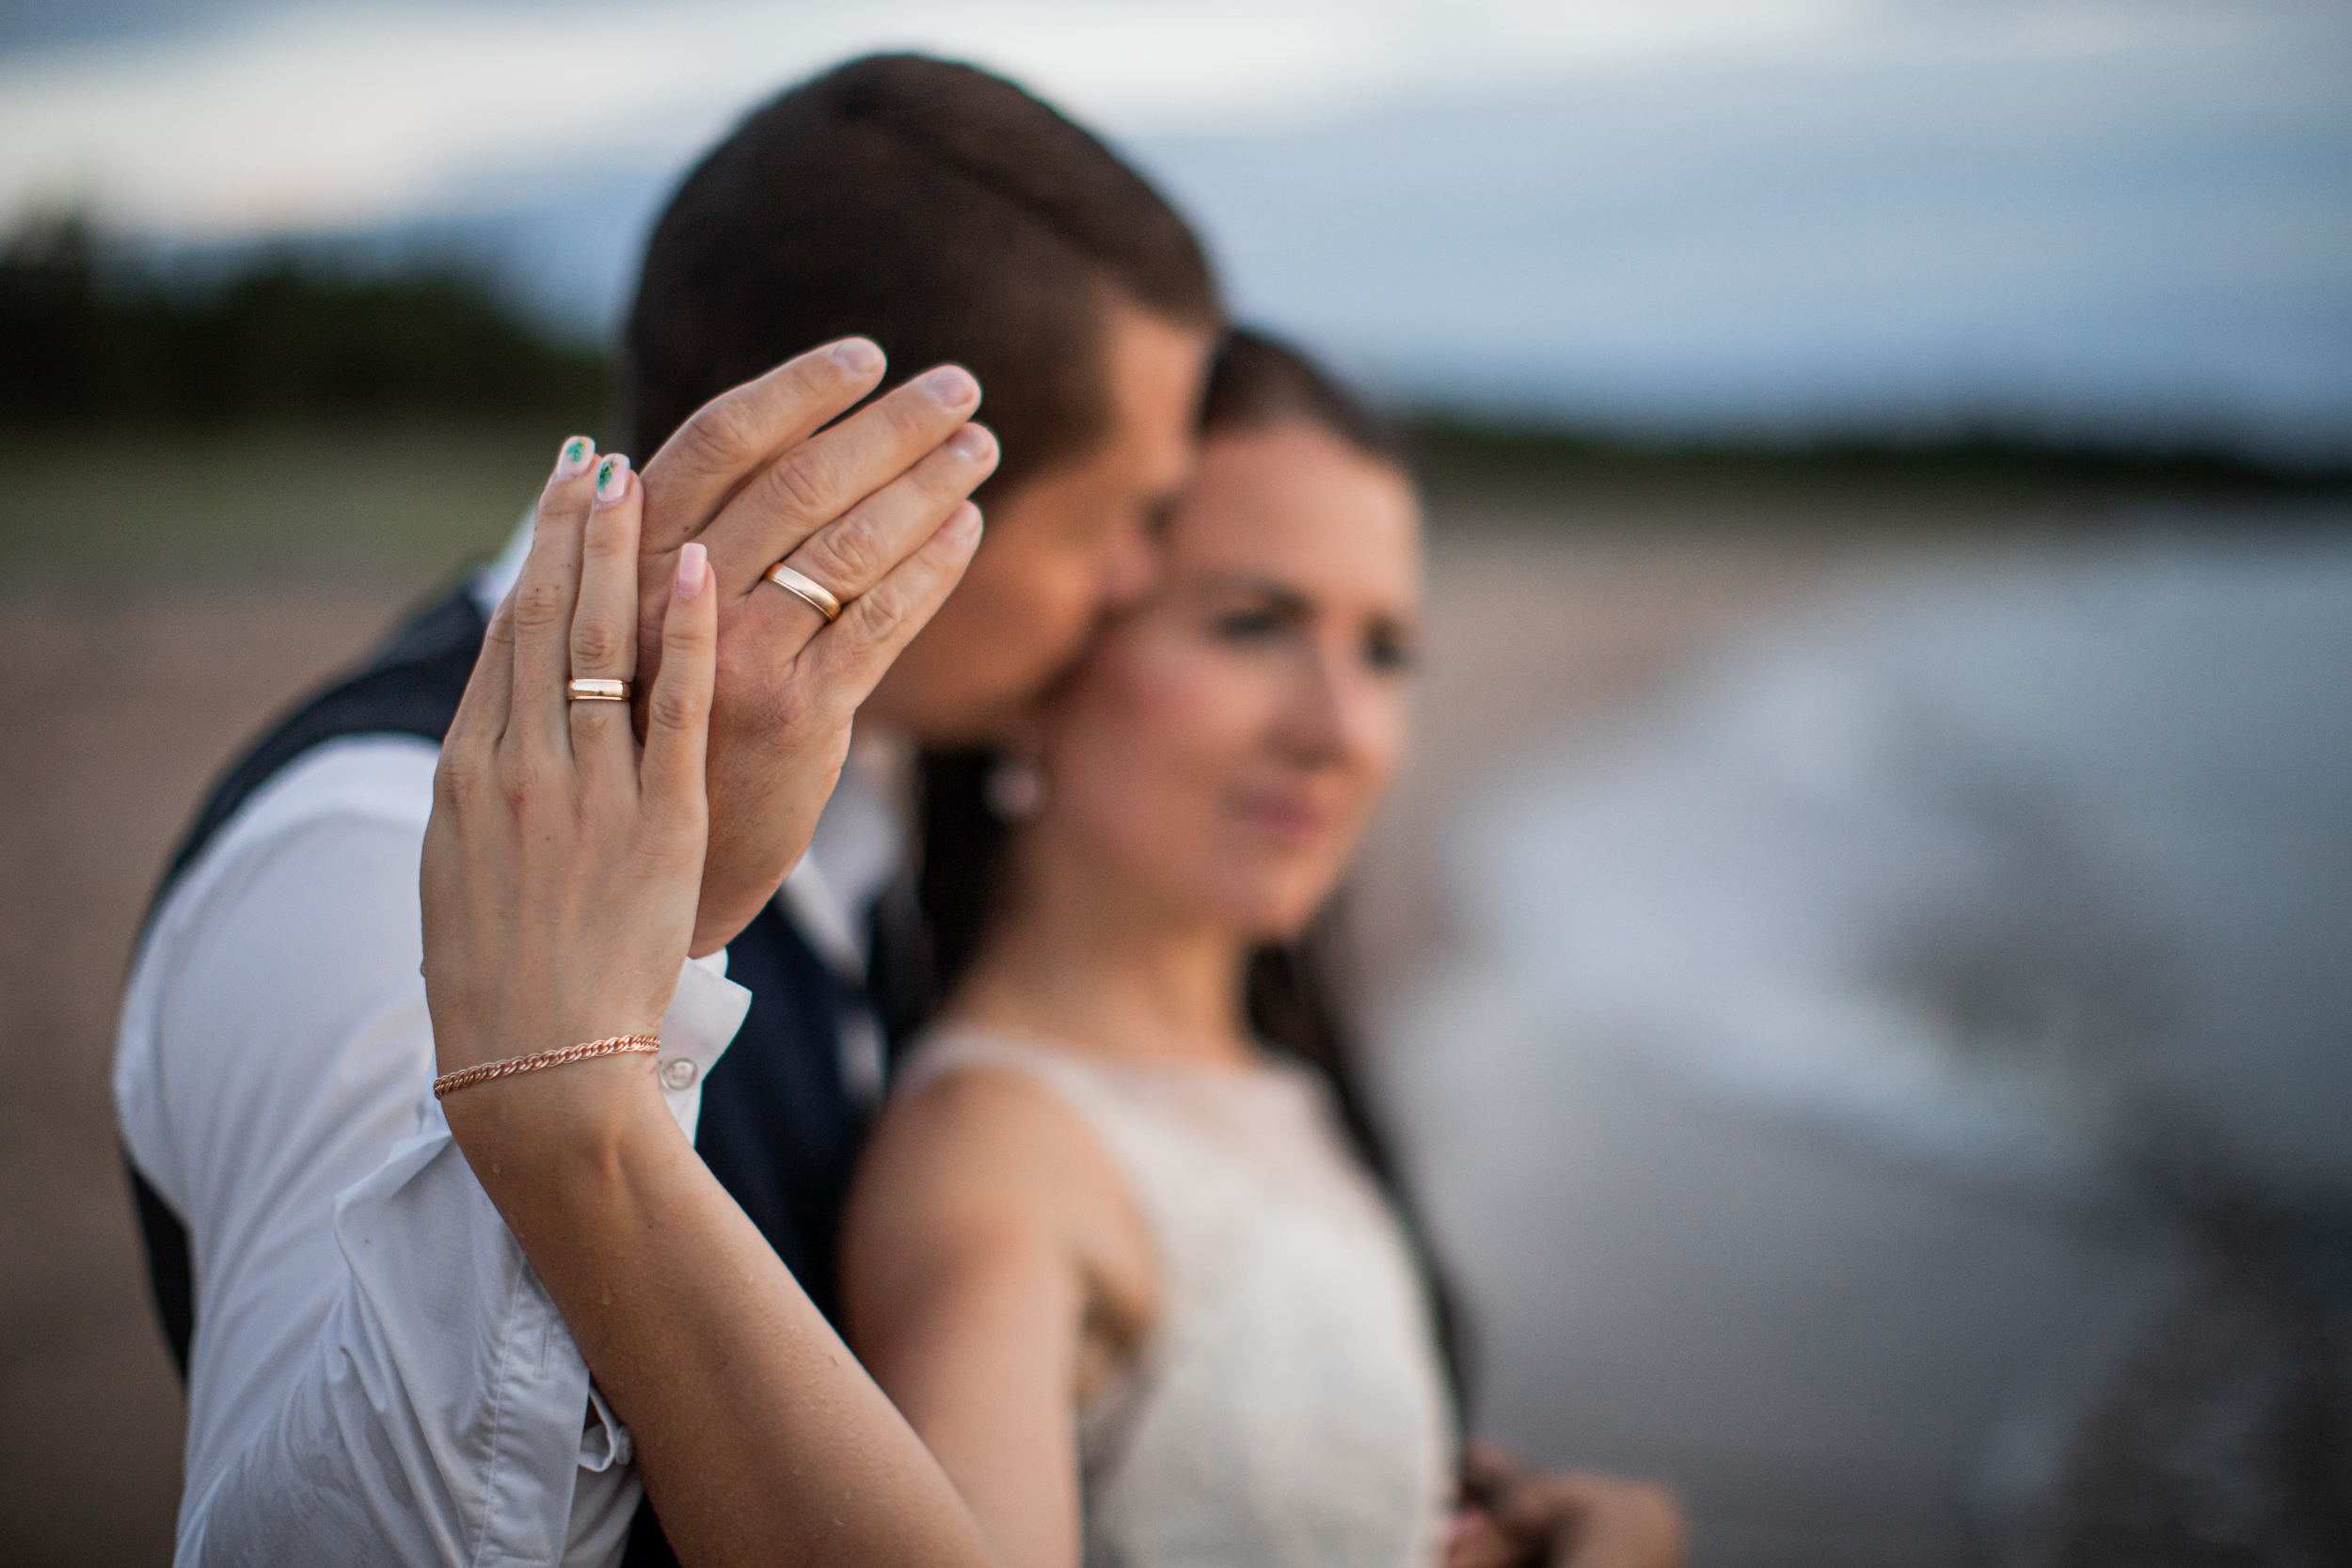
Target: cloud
<point>1770,213</point>
<point>2158,241</point>
<point>302,117</point>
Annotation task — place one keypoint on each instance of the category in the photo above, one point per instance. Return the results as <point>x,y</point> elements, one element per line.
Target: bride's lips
<point>1289,818</point>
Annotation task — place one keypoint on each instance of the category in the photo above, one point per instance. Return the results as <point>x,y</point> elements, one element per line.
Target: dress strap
<point>1070,1078</point>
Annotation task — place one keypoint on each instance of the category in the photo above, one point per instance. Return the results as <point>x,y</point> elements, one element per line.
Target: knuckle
<point>454,781</point>
<point>538,606</point>
<point>880,608</point>
<point>850,552</point>
<point>595,645</point>
<point>524,788</point>
<point>809,378</point>
<point>807,482</point>
<point>461,768</point>
<point>606,539</point>
<point>859,638</point>
<point>718,438</point>
<point>946,478</point>
<point>913,414</point>
<point>676,710</point>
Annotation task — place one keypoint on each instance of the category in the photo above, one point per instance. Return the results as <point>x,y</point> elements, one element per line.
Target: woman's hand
<point>564,860</point>
<point>561,871</point>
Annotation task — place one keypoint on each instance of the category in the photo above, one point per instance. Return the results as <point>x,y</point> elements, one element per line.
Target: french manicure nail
<point>858,356</point>
<point>613,479</point>
<point>694,571</point>
<point>971,443</point>
<point>951,386</point>
<point>573,460</point>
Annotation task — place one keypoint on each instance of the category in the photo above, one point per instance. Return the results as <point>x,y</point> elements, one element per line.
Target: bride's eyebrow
<point>1280,597</point>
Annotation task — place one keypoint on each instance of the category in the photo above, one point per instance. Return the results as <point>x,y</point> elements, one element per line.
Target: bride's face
<point>1223,745</point>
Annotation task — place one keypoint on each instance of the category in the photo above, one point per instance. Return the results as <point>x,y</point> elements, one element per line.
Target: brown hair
<point>1258,381</point>
<point>940,211</point>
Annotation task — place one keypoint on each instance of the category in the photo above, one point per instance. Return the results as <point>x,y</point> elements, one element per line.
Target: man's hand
<point>874,509</point>
<point>1570,1519</point>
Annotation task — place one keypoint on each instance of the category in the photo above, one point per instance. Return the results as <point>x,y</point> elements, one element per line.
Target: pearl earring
<point>1014,789</point>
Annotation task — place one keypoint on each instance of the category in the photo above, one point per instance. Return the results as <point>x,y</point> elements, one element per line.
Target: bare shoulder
<point>985,1141</point>
<point>984,1171</point>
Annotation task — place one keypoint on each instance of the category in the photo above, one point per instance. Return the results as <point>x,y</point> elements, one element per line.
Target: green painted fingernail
<point>612,479</point>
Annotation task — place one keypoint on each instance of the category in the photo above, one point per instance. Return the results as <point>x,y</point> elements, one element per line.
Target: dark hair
<point>1256,382</point>
<point>940,211</point>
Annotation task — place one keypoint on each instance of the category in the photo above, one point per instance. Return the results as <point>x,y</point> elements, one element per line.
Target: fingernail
<point>858,356</point>
<point>950,386</point>
<point>694,571</point>
<point>613,479</point>
<point>965,525</point>
<point>971,443</point>
<point>579,451</point>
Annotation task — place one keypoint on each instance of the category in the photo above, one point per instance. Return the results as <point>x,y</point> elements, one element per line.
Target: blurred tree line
<point>94,340</point>
<point>91,343</point>
<point>1968,458</point>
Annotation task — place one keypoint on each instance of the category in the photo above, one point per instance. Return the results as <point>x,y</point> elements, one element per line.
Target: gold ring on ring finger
<point>806,589</point>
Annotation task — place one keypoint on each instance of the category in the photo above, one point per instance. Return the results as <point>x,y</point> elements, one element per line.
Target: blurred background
<point>1862,960</point>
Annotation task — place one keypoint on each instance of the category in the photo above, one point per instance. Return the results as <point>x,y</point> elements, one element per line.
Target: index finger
<point>482,710</point>
<point>728,440</point>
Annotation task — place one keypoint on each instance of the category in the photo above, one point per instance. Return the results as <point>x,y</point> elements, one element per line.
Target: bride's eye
<point>1246,625</point>
<point>1387,650</point>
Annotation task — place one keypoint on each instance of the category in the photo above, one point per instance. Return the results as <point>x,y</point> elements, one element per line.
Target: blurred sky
<point>1778,216</point>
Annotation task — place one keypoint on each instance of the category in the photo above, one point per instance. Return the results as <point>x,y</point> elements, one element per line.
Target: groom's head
<point>948,216</point>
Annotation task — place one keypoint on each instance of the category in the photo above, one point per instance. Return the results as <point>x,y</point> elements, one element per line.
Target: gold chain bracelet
<point>618,1045</point>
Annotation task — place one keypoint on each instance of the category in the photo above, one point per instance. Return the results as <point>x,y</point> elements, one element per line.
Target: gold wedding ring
<point>807,590</point>
<point>597,691</point>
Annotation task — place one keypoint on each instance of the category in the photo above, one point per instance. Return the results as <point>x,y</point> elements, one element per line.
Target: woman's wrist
<point>540,1061</point>
<point>561,1127</point>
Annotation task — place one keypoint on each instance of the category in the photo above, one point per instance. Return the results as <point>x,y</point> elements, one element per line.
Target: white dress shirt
<point>377,1375</point>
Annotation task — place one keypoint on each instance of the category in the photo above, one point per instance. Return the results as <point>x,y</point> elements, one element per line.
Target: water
<point>1900,1086</point>
<point>2037,874</point>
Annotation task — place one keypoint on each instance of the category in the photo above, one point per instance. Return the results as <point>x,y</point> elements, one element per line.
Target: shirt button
<point>679,1072</point>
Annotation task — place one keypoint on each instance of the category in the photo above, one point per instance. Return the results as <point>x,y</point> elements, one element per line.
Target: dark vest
<point>779,1127</point>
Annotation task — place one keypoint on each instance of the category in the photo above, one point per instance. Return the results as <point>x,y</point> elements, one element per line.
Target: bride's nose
<point>1333,711</point>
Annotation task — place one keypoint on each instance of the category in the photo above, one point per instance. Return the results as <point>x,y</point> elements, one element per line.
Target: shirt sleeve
<point>377,1375</point>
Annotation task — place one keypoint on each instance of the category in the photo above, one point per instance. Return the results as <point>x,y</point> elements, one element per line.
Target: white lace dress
<point>1288,1408</point>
